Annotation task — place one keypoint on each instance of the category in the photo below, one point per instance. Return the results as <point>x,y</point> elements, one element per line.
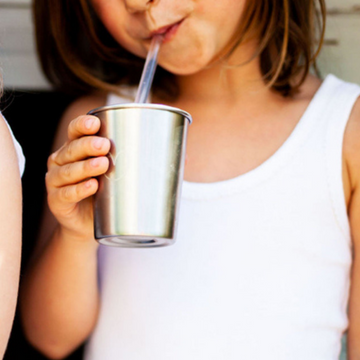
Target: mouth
<point>167,32</point>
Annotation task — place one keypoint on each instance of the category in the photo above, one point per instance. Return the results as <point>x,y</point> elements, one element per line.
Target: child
<point>261,265</point>
<point>11,168</point>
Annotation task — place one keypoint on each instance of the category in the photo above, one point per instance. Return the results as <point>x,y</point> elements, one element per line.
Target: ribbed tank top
<point>260,269</point>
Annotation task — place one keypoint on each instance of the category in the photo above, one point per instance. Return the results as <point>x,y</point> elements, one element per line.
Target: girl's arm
<point>352,192</point>
<point>10,225</point>
<point>59,296</point>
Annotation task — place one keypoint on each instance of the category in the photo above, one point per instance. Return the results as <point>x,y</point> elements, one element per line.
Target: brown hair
<point>78,55</point>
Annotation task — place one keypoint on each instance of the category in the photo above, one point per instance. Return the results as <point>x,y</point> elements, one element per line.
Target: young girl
<point>11,168</point>
<point>263,259</point>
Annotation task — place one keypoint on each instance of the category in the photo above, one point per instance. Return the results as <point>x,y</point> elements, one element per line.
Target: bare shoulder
<point>351,153</point>
<point>4,130</point>
<point>7,149</point>
<point>351,147</point>
<point>10,225</point>
<point>80,106</point>
<point>83,105</point>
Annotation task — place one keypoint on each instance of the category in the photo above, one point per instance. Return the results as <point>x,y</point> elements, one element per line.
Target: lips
<point>167,31</point>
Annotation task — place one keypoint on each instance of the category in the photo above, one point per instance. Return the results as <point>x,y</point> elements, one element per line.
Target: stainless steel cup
<point>138,198</point>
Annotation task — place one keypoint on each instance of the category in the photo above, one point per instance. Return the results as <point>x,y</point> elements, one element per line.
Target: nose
<point>134,6</point>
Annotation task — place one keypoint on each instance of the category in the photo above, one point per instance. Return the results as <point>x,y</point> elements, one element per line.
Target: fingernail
<point>96,162</point>
<point>88,123</point>
<point>98,143</point>
<point>88,184</point>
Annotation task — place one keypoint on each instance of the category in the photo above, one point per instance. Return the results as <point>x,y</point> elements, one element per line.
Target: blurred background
<point>33,109</point>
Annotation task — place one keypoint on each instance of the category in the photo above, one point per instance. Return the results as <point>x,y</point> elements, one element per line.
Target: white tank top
<point>18,149</point>
<point>260,268</point>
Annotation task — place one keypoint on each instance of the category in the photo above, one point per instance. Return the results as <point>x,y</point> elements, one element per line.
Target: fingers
<point>80,149</point>
<point>73,193</point>
<point>72,205</point>
<point>70,178</point>
<point>76,172</point>
<point>83,125</point>
<point>81,157</point>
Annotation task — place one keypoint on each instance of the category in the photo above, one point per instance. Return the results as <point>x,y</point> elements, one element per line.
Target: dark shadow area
<point>33,117</point>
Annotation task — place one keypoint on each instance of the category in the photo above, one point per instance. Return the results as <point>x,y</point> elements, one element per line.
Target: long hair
<point>78,55</point>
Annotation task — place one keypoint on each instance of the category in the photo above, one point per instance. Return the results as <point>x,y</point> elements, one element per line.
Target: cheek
<point>115,18</point>
<point>204,36</point>
<point>186,58</point>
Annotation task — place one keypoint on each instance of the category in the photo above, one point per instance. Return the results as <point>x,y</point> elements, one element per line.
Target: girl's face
<point>195,31</point>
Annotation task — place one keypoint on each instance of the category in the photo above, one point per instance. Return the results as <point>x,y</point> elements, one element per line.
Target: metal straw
<point>149,70</point>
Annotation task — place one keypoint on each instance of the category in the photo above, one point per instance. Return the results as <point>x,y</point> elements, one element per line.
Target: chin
<point>184,66</point>
<point>181,71</point>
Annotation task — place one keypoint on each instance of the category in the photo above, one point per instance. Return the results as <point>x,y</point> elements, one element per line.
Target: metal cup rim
<point>141,106</point>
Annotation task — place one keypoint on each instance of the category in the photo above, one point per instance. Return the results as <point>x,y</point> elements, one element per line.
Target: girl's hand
<point>70,178</point>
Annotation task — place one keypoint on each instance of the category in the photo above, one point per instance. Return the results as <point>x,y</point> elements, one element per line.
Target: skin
<point>10,224</point>
<point>61,298</point>
<point>197,38</point>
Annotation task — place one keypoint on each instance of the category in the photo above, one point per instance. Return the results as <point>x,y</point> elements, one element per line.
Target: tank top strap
<point>340,105</point>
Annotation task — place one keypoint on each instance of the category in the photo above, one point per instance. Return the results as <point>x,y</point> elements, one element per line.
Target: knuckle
<point>72,126</point>
<point>84,145</point>
<point>48,179</point>
<point>66,171</point>
<point>91,142</point>
<point>78,189</point>
<point>75,128</point>
<point>69,130</point>
<point>51,160</point>
<point>69,150</point>
<point>87,166</point>
<point>66,194</point>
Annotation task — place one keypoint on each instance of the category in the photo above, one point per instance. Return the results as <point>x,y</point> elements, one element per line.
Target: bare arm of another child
<point>59,297</point>
<point>10,225</point>
<point>352,191</point>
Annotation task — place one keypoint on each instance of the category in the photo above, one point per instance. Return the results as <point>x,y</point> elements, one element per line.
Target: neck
<point>234,88</point>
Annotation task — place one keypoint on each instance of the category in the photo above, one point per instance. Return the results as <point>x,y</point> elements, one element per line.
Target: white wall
<point>17,51</point>
<point>341,53</point>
